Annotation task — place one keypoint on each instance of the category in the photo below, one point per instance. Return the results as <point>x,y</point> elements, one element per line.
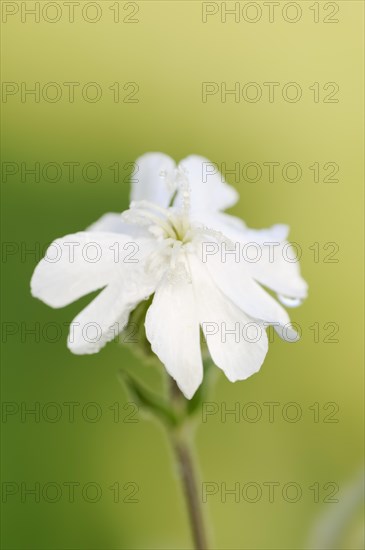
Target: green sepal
<point>148,400</point>
<point>201,394</point>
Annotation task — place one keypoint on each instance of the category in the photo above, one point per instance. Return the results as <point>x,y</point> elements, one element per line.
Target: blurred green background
<point>169,51</point>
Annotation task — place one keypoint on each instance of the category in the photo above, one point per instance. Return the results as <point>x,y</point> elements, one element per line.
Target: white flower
<point>172,243</point>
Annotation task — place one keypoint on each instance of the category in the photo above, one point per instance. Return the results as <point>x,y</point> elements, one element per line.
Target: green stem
<point>181,440</point>
<point>177,414</point>
<point>188,476</point>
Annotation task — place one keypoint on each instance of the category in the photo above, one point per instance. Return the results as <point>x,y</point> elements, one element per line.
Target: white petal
<point>148,183</point>
<point>239,354</point>
<point>172,327</point>
<point>78,264</point>
<point>275,268</point>
<point>108,313</point>
<point>109,222</point>
<point>278,232</point>
<point>219,222</point>
<point>209,191</point>
<point>267,255</point>
<point>236,283</point>
<point>114,223</point>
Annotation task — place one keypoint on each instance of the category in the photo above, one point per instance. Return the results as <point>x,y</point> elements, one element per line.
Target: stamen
<point>169,179</point>
<point>150,205</point>
<point>218,235</point>
<point>142,216</point>
<point>183,182</point>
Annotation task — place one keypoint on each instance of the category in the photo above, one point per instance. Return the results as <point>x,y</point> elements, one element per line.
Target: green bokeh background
<point>169,53</point>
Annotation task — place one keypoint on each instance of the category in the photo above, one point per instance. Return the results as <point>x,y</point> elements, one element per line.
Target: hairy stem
<point>188,477</point>
<point>181,439</point>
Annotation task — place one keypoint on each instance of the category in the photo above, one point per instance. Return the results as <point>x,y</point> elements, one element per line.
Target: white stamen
<point>142,216</point>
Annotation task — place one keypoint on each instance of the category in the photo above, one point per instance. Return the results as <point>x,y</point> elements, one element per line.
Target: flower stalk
<point>177,415</point>
<point>189,479</point>
<point>182,442</point>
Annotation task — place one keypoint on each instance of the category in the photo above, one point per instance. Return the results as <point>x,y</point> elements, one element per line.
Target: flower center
<point>170,223</point>
<point>163,223</point>
<point>171,227</point>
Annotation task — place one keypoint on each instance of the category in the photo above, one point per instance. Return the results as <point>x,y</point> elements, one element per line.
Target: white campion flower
<point>170,244</point>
